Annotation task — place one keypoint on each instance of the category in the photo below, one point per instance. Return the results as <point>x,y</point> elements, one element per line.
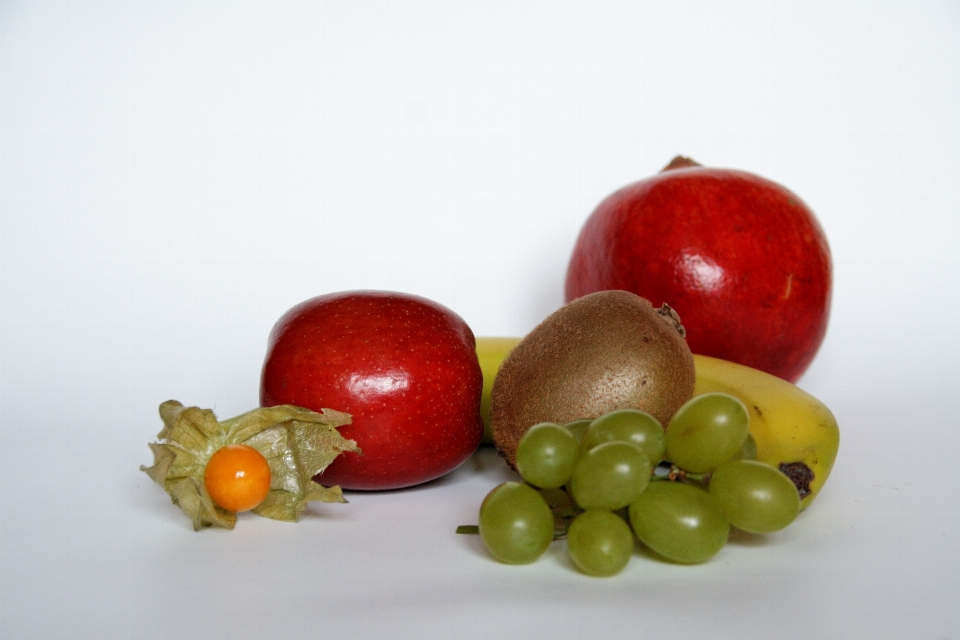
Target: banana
<point>794,431</point>
<point>491,352</point>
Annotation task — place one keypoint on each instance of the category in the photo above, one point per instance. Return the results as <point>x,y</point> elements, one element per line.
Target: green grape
<point>600,542</point>
<point>754,496</point>
<point>516,524</point>
<point>749,449</point>
<point>577,428</point>
<point>706,432</point>
<point>696,484</point>
<point>546,454</point>
<point>610,476</point>
<point>679,522</point>
<point>627,425</point>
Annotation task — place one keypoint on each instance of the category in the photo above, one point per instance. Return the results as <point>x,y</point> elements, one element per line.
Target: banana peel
<point>794,431</point>
<point>491,352</point>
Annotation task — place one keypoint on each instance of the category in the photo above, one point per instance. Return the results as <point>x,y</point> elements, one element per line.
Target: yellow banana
<point>794,431</point>
<point>491,352</point>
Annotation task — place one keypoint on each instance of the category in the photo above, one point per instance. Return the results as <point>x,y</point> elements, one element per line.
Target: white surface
<point>174,176</point>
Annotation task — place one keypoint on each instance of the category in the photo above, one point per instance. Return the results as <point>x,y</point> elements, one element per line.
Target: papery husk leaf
<point>190,495</point>
<point>191,427</point>
<point>244,427</point>
<point>187,492</point>
<point>169,412</point>
<point>285,506</point>
<point>297,450</point>
<point>319,447</point>
<point>163,457</point>
<point>297,443</point>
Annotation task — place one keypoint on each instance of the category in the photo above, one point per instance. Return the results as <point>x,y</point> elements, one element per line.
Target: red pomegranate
<point>742,259</point>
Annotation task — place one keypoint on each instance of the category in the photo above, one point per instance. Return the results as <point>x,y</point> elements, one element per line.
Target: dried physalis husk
<point>297,443</point>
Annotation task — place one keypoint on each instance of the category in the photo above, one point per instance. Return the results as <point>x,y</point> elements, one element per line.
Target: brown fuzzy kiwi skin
<point>605,351</point>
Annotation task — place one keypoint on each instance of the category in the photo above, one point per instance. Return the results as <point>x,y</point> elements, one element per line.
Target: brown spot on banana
<point>800,475</point>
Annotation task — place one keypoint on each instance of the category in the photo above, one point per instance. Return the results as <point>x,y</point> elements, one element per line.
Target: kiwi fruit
<point>605,351</point>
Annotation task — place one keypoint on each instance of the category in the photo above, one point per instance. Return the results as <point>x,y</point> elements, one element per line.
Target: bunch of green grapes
<point>678,490</point>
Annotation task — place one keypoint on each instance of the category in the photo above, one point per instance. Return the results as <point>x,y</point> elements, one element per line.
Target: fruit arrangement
<point>744,448</point>
<point>623,423</point>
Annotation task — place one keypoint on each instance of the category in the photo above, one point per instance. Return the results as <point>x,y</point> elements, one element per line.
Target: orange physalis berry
<point>237,477</point>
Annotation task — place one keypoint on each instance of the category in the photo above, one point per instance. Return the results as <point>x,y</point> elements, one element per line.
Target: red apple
<point>742,260</point>
<point>404,367</point>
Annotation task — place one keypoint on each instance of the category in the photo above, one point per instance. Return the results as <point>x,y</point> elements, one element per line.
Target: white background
<point>175,175</point>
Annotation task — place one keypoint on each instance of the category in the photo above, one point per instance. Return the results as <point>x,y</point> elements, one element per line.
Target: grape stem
<point>472,529</point>
<point>668,472</point>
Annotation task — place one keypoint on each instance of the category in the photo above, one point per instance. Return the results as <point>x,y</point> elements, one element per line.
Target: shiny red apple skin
<point>742,259</point>
<point>403,366</point>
